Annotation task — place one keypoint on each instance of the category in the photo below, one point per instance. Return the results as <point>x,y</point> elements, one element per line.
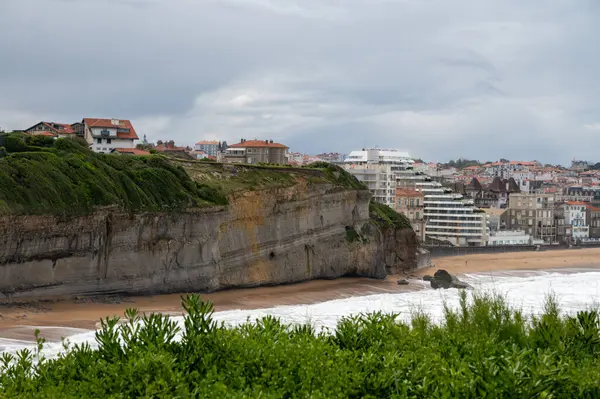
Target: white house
<point>104,135</point>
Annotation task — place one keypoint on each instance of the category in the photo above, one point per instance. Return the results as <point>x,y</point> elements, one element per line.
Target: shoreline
<point>68,317</point>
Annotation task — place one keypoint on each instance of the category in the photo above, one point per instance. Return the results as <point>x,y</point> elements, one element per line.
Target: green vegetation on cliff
<point>42,175</point>
<point>385,216</point>
<point>64,177</point>
<point>483,349</point>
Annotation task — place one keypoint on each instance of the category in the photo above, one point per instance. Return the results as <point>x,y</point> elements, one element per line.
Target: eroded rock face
<point>261,238</point>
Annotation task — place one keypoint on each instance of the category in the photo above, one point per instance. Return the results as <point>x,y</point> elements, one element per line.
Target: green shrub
<point>482,349</point>
<point>338,175</point>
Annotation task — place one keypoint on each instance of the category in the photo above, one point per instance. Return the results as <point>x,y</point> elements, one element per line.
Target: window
<point>108,141</point>
<point>99,141</point>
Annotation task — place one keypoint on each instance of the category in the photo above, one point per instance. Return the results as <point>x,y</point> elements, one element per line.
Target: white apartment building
<point>575,216</point>
<point>376,168</point>
<point>446,216</point>
<point>452,218</point>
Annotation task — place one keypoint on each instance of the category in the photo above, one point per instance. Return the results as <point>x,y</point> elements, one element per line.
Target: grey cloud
<point>483,79</point>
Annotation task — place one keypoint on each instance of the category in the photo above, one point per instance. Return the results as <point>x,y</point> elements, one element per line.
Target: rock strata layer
<point>265,237</point>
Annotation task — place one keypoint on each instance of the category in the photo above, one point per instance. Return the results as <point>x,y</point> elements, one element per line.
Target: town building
<point>331,157</point>
<point>209,147</point>
<point>256,151</point>
<point>104,135</point>
<point>169,147</point>
<point>510,237</point>
<point>438,215</point>
<point>580,166</point>
<point>495,195</point>
<point>495,222</point>
<point>411,203</point>
<point>575,215</point>
<point>51,129</point>
<point>451,218</point>
<point>593,218</point>
<point>580,193</point>
<point>377,169</point>
<point>533,213</point>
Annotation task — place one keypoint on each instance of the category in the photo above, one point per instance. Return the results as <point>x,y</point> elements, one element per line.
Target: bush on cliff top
<point>483,349</point>
<point>64,177</point>
<point>385,216</point>
<point>338,175</point>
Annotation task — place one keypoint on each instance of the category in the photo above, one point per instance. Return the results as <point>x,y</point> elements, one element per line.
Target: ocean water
<point>525,290</point>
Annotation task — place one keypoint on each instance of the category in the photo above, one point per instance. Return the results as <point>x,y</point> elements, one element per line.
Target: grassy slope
<point>483,349</point>
<point>41,176</point>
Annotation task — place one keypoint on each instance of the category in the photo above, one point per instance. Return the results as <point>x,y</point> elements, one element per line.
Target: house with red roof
<point>256,151</point>
<point>51,129</point>
<point>104,135</point>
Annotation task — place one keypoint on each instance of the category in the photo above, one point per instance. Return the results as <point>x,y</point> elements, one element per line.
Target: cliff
<point>274,226</point>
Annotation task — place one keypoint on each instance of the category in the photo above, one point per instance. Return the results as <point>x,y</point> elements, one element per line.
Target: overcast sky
<point>441,79</point>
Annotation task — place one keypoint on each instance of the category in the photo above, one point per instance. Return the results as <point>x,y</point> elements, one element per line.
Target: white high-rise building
<point>376,169</point>
<point>451,218</point>
<point>446,217</point>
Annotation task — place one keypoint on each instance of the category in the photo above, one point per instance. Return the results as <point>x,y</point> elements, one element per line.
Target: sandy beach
<point>65,317</point>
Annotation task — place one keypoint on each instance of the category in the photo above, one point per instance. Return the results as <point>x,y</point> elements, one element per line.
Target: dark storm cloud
<point>482,79</point>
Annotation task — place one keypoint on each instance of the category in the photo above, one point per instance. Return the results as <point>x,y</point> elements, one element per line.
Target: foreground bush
<point>484,349</point>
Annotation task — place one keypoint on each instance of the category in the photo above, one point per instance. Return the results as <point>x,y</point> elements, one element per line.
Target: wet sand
<point>67,317</point>
<point>502,262</point>
<point>19,321</point>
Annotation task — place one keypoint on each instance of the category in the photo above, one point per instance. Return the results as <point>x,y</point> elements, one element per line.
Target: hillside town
<point>459,203</point>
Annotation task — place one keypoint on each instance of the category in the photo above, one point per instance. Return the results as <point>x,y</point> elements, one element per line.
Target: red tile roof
<point>43,133</point>
<point>58,128</point>
<point>166,147</point>
<point>576,203</point>
<point>257,143</point>
<point>107,123</point>
<point>132,151</point>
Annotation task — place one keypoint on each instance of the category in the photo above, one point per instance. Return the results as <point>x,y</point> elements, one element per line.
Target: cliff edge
<point>264,226</point>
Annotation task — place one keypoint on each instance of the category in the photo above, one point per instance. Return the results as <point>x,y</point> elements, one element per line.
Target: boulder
<point>437,283</point>
<point>427,277</point>
<point>445,280</point>
<point>403,282</point>
<point>445,276</point>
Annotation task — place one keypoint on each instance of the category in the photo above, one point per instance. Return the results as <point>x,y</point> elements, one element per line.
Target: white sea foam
<point>527,291</point>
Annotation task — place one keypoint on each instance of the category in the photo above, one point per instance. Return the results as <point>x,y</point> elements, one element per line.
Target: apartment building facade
<point>256,151</point>
<point>377,169</point>
<point>437,214</point>
<point>532,213</point>
<point>208,147</point>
